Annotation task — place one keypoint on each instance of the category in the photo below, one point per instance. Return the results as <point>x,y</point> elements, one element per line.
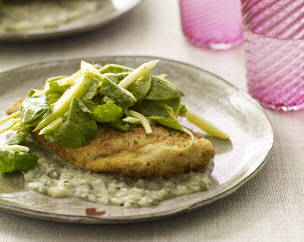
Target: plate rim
<point>41,35</point>
<point>57,217</point>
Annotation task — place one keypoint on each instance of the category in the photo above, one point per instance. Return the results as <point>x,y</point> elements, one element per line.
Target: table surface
<point>268,208</point>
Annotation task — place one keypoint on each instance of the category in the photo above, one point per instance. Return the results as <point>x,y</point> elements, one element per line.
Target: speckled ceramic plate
<point>235,163</point>
<point>110,11</point>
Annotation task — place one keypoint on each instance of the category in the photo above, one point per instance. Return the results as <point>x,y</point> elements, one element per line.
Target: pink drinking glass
<point>274,33</point>
<point>213,24</point>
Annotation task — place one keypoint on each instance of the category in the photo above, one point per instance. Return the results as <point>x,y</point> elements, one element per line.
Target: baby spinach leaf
<point>54,91</point>
<point>141,87</point>
<point>182,110</point>
<point>54,88</point>
<point>73,134</point>
<point>53,97</point>
<point>121,125</point>
<point>55,78</point>
<point>11,161</point>
<point>84,107</point>
<point>32,92</point>
<point>33,109</point>
<point>112,68</point>
<point>113,91</point>
<point>78,130</point>
<point>151,108</point>
<point>116,77</point>
<point>92,91</point>
<point>168,122</point>
<point>174,103</point>
<point>162,90</point>
<point>90,104</point>
<point>53,137</point>
<point>108,112</point>
<point>98,99</point>
<point>18,136</point>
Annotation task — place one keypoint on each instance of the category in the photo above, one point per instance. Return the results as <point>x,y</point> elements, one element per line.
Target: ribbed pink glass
<point>274,33</point>
<point>214,24</point>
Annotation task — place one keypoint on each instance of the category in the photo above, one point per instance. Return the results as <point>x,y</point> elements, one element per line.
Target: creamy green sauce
<point>17,16</point>
<point>54,178</point>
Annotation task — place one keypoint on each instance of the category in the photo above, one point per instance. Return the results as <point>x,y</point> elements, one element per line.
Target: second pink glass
<point>274,33</point>
<point>213,24</point>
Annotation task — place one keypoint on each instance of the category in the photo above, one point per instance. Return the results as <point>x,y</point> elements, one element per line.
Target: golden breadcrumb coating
<point>134,153</point>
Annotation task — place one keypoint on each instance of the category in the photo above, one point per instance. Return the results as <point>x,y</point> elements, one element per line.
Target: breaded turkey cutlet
<point>134,153</point>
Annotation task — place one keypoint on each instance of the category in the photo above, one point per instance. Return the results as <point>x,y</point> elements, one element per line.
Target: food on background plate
<point>111,119</point>
<point>25,15</point>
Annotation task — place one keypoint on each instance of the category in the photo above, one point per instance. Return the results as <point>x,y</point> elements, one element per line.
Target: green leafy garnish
<point>78,130</point>
<point>175,103</point>
<point>106,113</point>
<point>18,136</point>
<point>55,78</point>
<point>151,108</point>
<point>140,87</point>
<point>66,111</point>
<point>117,78</point>
<point>53,90</point>
<point>53,137</point>
<point>84,107</point>
<point>92,91</point>
<point>121,125</point>
<point>16,158</point>
<point>121,96</point>
<point>114,69</point>
<point>11,161</point>
<point>182,110</point>
<point>62,105</point>
<point>162,90</point>
<point>33,109</point>
<point>168,122</point>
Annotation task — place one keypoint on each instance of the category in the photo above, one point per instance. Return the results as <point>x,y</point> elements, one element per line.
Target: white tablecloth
<point>270,207</point>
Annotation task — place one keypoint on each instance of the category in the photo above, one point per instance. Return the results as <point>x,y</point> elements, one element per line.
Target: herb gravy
<point>55,178</point>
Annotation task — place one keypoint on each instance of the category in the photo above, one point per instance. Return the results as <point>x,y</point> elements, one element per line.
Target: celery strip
<point>131,120</point>
<point>16,148</point>
<point>14,122</point>
<point>7,118</point>
<point>188,146</point>
<point>70,80</point>
<point>144,121</point>
<point>134,75</point>
<point>203,124</point>
<point>90,69</point>
<point>162,76</point>
<point>52,126</point>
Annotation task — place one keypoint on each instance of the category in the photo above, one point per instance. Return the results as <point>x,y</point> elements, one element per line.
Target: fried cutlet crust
<point>134,153</point>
